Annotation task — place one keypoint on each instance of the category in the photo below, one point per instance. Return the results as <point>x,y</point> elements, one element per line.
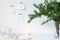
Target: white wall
<point>18,23</point>
<point>9,19</point>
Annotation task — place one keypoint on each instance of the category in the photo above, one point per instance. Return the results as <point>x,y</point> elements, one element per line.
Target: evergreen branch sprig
<point>51,9</point>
